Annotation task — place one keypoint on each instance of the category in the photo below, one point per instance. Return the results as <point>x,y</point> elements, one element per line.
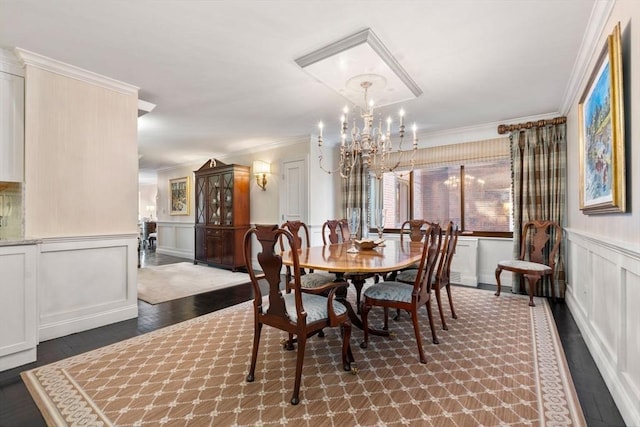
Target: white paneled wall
<point>603,294</point>
<point>86,282</point>
<point>176,238</point>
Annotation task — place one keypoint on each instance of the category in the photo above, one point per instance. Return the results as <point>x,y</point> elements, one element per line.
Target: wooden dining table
<point>334,258</point>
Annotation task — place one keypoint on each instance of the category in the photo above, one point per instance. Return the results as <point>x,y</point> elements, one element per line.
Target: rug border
<point>573,402</point>
<point>54,416</point>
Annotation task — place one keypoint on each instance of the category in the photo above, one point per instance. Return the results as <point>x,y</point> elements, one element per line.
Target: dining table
<point>357,266</point>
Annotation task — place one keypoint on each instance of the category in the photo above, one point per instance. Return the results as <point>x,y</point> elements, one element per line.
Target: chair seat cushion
<point>390,291</point>
<point>313,280</point>
<point>314,305</point>
<point>408,276</point>
<point>514,264</point>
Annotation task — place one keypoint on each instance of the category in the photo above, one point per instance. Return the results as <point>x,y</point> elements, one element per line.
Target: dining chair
<point>297,313</point>
<point>335,231</point>
<point>311,281</point>
<point>403,296</point>
<point>538,249</point>
<point>443,272</point>
<point>414,229</point>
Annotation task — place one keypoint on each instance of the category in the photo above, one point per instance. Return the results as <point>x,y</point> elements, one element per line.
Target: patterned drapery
<point>539,167</point>
<point>354,191</point>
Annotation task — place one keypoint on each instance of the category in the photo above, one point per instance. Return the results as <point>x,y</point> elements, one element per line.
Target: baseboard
<point>189,255</point>
<point>71,326</point>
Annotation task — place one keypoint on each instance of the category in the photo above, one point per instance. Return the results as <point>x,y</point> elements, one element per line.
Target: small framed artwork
<point>179,196</point>
<point>602,139</point>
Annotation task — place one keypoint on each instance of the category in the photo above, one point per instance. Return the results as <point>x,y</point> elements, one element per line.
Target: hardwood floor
<point>18,409</point>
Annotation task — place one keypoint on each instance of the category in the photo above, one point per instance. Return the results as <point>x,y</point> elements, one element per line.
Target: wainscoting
<point>603,293</point>
<point>86,282</point>
<point>176,239</point>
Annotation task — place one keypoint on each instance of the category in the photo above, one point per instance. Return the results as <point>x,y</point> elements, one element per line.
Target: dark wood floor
<point>17,407</point>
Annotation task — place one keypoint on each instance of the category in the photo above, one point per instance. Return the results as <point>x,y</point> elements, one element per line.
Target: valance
<point>456,154</point>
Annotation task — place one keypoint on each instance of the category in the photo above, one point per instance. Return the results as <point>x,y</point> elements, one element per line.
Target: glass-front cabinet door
<point>227,197</point>
<point>213,196</point>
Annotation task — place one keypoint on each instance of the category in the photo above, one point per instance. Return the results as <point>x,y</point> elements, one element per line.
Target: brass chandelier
<point>369,144</point>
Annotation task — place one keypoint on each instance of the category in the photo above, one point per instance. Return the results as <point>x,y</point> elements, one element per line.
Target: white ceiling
<point>224,79</point>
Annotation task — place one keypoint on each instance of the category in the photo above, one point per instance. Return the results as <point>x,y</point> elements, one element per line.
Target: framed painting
<point>602,139</point>
<point>179,196</point>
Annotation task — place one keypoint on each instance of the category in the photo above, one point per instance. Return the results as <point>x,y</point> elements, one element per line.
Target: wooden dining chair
<point>311,281</point>
<point>538,248</point>
<point>442,275</point>
<point>335,231</point>
<point>297,313</point>
<point>393,294</point>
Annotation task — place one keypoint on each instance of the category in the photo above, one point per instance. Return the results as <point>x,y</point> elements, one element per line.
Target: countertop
<point>19,242</point>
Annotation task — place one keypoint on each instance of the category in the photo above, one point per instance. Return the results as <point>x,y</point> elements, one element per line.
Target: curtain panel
<point>539,173</point>
<point>354,193</point>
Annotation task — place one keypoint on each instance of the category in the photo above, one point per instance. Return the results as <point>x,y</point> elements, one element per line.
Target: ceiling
<point>224,78</point>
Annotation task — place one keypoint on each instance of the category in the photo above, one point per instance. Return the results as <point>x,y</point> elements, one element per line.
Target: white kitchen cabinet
<point>18,305</point>
<point>11,127</point>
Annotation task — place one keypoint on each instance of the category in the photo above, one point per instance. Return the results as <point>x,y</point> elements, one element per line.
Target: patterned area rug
<point>500,363</point>
<point>163,283</point>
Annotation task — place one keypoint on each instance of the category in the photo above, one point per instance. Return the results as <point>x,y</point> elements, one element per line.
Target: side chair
<point>297,313</point>
<point>538,248</point>
<point>311,281</point>
<point>335,231</point>
<point>398,295</point>
<point>443,272</point>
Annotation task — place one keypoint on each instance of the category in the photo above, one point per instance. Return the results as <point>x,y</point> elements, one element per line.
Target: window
<point>477,196</point>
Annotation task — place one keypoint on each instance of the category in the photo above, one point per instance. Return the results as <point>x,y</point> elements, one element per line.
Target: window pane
<point>488,197</point>
<point>394,194</point>
<point>436,194</point>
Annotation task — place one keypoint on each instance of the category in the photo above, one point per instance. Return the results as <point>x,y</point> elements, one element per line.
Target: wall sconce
<point>260,170</point>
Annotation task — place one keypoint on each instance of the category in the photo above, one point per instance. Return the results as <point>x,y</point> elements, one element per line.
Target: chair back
<point>335,231</point>
<point>448,250</point>
<point>540,242</point>
<point>270,263</point>
<point>300,233</point>
<point>430,251</point>
<point>414,229</point>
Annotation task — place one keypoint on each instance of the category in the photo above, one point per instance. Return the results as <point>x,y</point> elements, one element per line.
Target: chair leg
<point>532,279</point>
<point>289,346</point>
<point>302,341</point>
<point>364,312</point>
<point>436,290</point>
<point>498,271</point>
<point>386,319</point>
<point>347,355</point>
<point>433,329</point>
<point>453,311</point>
<point>553,286</point>
<point>416,330</point>
<point>254,352</point>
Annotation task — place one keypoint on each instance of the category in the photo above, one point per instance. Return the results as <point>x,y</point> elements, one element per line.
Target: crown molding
<point>474,133</point>
<point>589,48</point>
<point>48,64</point>
<point>9,63</point>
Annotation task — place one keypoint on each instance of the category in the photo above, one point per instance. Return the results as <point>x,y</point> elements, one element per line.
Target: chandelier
<point>368,144</point>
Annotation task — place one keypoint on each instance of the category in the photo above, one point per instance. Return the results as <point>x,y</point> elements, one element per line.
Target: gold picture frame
<point>601,129</point>
<point>179,196</point>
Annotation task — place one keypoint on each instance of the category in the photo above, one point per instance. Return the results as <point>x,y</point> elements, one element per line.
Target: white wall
<point>81,195</point>
<point>175,233</point>
<point>147,204</point>
<point>603,263</point>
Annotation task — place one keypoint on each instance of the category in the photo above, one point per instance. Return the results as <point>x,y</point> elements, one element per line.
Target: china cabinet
<point>222,214</point>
